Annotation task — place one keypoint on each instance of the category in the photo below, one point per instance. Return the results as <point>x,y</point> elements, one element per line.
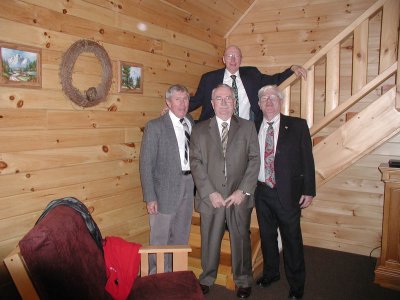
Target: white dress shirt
<point>261,140</point>
<point>181,138</point>
<point>244,103</point>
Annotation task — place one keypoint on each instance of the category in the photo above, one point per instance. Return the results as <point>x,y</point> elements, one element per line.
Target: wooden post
<point>307,96</point>
<point>332,78</point>
<point>360,57</point>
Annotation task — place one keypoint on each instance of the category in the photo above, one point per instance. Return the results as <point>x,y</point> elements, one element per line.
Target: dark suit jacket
<point>294,162</point>
<point>252,80</point>
<point>160,164</point>
<point>207,161</point>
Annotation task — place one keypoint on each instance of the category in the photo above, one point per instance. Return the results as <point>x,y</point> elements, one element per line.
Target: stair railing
<point>331,54</point>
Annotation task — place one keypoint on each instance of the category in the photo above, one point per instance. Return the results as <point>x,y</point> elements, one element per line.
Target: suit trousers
<point>212,230</point>
<point>271,214</point>
<point>172,229</point>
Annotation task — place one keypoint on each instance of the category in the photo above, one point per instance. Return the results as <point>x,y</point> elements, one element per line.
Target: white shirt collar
<point>228,74</point>
<point>174,118</point>
<point>220,121</point>
<point>275,120</point>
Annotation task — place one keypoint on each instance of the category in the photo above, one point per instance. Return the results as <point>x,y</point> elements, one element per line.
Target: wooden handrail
<point>353,99</point>
<point>335,41</point>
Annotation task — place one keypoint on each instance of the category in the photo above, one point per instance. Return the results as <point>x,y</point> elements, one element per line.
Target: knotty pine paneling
<point>51,148</point>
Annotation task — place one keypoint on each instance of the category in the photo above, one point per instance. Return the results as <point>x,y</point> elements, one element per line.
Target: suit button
<point>223,185</point>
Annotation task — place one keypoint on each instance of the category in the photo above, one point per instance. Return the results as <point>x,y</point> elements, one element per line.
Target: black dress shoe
<point>294,296</point>
<point>265,282</point>
<point>204,288</point>
<point>243,292</point>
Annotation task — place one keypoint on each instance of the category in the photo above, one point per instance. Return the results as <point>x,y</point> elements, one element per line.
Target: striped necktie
<point>224,136</point>
<point>187,140</point>
<point>269,156</point>
<point>235,91</point>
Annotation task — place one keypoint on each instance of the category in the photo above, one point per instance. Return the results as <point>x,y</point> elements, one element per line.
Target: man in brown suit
<point>225,160</point>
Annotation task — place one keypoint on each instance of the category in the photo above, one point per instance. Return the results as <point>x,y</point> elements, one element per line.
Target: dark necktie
<point>187,140</point>
<point>235,91</point>
<point>269,156</point>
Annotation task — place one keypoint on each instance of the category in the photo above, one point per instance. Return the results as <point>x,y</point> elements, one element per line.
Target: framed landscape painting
<point>130,77</point>
<point>20,65</point>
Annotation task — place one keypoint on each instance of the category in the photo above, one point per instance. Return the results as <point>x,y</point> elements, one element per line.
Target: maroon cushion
<point>181,285</point>
<point>63,258</point>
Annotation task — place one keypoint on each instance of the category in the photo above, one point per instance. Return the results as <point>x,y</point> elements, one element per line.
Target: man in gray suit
<point>225,160</point>
<point>165,173</point>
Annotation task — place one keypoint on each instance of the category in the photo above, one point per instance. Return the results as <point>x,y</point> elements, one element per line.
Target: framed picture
<point>20,65</point>
<point>130,77</point>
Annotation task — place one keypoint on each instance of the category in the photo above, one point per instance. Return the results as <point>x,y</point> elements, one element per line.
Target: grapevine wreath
<point>93,95</point>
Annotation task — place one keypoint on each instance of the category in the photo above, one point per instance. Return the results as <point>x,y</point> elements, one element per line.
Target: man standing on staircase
<point>224,159</point>
<point>286,184</point>
<point>165,174</point>
<point>245,80</point>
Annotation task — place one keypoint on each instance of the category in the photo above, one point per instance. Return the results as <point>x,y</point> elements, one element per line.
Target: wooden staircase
<point>224,276</point>
<point>358,136</point>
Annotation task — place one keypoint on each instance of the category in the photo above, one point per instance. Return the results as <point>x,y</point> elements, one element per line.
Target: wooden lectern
<point>387,272</point>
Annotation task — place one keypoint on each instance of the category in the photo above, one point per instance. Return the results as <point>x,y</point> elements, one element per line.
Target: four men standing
<point>224,156</point>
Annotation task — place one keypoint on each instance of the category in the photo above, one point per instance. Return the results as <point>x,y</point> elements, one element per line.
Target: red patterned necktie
<point>269,156</point>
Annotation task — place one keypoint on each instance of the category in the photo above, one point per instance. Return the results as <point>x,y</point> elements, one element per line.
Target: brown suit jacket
<point>207,161</point>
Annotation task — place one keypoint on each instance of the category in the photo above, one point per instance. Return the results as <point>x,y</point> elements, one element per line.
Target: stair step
<point>224,276</point>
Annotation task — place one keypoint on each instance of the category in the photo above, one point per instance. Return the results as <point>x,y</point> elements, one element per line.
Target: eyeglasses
<point>271,98</point>
<point>232,56</point>
<point>227,99</point>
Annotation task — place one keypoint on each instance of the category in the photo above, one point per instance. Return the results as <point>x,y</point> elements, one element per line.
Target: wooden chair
<point>20,273</point>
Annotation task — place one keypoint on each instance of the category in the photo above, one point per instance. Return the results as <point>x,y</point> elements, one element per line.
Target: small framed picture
<point>130,77</point>
<point>20,66</point>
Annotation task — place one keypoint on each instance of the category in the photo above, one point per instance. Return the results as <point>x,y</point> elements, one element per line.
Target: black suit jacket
<point>252,80</point>
<point>294,162</point>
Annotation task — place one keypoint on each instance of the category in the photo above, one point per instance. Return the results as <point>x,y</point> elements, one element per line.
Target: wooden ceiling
<point>209,20</point>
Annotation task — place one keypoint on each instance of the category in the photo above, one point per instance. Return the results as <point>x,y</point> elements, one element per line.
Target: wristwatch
<point>244,193</point>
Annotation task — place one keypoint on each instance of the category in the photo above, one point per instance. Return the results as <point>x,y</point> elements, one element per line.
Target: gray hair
<point>222,85</point>
<point>176,88</point>
<point>274,88</point>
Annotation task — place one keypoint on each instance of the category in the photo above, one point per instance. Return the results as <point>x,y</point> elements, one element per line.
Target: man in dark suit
<point>286,184</point>
<point>248,81</point>
<point>224,159</point>
<point>165,173</point>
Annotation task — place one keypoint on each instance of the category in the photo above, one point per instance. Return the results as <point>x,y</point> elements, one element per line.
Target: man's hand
<point>236,198</point>
<point>216,200</point>
<point>299,71</point>
<point>164,110</point>
<point>152,208</point>
<point>305,201</point>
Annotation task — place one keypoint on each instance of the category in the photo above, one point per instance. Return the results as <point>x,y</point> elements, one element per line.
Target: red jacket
<point>122,261</point>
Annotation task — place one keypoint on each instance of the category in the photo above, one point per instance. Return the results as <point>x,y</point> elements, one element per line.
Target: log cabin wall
<point>52,148</point>
<point>347,213</point>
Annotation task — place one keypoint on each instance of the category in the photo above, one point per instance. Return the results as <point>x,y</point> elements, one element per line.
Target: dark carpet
<point>330,275</point>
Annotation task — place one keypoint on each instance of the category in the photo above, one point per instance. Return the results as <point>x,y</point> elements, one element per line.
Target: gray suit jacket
<point>160,165</point>
<point>207,161</point>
